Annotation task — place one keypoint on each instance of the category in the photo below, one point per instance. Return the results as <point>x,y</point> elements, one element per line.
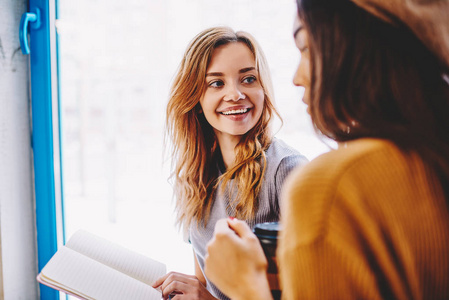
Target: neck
<point>227,147</point>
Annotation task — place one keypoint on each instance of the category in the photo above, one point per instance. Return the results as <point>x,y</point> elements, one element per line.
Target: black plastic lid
<point>267,229</point>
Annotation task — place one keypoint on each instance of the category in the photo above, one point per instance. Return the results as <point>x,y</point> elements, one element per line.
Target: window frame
<point>46,135</point>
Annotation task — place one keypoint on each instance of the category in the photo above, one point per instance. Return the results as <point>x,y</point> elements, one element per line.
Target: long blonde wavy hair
<point>195,151</point>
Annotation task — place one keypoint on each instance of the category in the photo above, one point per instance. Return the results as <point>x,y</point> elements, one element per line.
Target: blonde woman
<point>226,161</point>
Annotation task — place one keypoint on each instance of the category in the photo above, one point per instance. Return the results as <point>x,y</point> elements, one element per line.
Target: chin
<point>238,132</point>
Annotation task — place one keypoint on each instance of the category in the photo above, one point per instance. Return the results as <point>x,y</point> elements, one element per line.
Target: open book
<point>90,267</point>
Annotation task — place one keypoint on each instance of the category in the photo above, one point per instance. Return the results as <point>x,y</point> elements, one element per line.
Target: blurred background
<point>117,61</point>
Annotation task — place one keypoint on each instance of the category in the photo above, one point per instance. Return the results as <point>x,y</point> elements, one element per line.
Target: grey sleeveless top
<point>281,159</point>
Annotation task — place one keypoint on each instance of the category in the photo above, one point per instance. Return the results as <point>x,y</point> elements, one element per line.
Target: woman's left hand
<point>235,261</point>
<point>182,286</point>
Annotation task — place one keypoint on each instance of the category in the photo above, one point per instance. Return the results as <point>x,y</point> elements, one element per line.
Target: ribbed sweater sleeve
<point>364,222</point>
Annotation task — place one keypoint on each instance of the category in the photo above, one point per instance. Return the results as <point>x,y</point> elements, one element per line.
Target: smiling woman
<point>115,80</point>
<point>226,161</point>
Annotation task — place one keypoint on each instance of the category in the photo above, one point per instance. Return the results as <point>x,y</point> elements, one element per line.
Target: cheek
<point>208,106</point>
<point>259,99</point>
<point>206,103</point>
<point>261,96</point>
<point>307,71</point>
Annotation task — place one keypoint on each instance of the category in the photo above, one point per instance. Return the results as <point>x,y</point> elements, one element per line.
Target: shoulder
<point>348,175</point>
<point>364,153</point>
<point>282,156</point>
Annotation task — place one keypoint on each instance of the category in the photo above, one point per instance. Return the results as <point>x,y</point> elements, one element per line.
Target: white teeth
<point>234,112</point>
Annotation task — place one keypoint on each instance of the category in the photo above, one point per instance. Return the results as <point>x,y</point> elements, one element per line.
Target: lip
<point>306,102</point>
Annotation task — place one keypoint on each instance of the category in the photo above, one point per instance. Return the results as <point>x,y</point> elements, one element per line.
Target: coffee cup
<point>267,233</point>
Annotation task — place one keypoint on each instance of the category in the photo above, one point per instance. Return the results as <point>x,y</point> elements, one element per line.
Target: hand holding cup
<point>235,261</point>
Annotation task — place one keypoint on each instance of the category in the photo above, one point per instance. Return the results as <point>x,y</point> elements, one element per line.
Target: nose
<point>302,79</point>
<point>233,93</point>
<point>298,78</point>
<point>302,74</point>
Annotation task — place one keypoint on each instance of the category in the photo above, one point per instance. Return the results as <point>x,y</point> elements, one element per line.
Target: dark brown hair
<point>370,78</point>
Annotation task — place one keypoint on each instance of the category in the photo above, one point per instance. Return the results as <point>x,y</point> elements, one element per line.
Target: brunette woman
<point>369,220</point>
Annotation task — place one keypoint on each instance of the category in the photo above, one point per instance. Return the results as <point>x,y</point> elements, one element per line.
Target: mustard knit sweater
<point>364,222</point>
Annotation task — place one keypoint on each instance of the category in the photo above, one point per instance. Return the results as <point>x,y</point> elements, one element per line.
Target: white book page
<point>117,257</point>
<point>84,276</point>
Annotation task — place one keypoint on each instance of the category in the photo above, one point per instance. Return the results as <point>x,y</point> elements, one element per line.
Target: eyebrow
<point>241,71</point>
<point>297,30</point>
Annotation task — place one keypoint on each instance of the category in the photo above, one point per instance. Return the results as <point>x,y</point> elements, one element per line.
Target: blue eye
<point>216,84</point>
<point>249,79</point>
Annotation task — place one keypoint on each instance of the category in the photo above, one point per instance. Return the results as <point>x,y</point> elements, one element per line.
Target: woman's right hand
<point>235,261</point>
<point>182,286</point>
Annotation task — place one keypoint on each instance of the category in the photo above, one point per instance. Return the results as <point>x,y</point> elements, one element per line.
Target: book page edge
<point>41,278</point>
